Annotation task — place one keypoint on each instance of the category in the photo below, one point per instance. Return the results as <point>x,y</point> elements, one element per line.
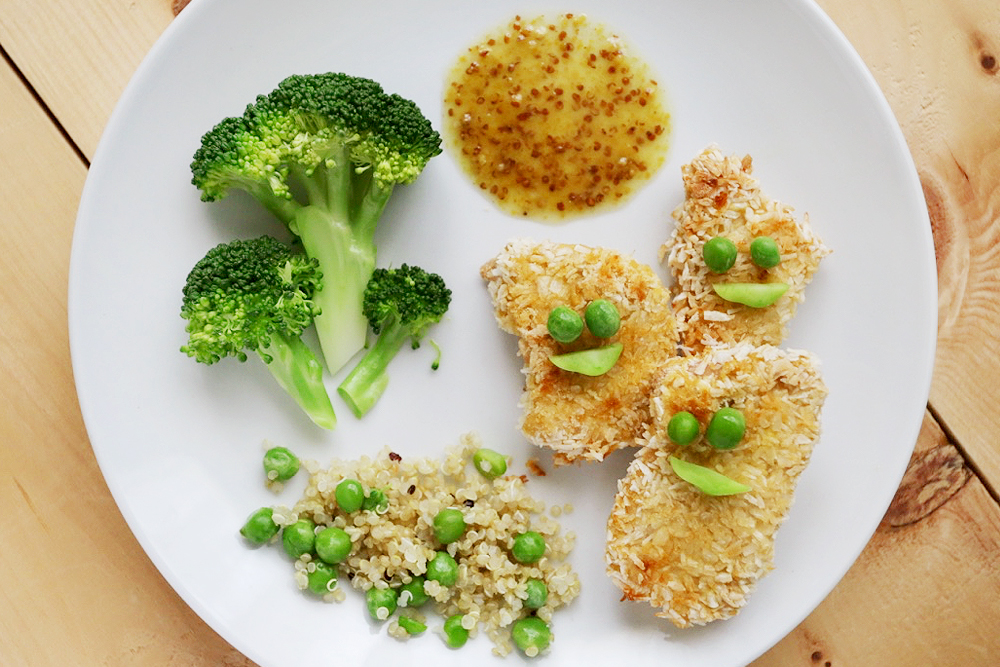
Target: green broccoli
<point>400,304</point>
<point>323,153</point>
<point>257,295</point>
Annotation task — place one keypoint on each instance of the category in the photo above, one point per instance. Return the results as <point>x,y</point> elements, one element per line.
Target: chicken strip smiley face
<point>692,528</point>
<point>576,414</point>
<point>740,261</point>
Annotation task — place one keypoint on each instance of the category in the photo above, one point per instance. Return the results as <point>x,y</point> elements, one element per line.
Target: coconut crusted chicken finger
<point>577,416</point>
<point>696,556</point>
<point>722,199</point>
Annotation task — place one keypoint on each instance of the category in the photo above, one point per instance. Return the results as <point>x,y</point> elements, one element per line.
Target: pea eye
<point>602,318</point>
<point>726,428</point>
<point>683,428</point>
<point>564,324</point>
<point>719,254</point>
<point>764,252</point>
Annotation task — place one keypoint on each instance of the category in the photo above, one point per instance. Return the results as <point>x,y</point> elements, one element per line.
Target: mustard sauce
<point>552,117</point>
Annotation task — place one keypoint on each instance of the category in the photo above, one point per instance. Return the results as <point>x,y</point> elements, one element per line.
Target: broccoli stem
<point>329,184</point>
<point>299,373</point>
<point>283,208</point>
<point>364,385</point>
<point>337,228</point>
<point>347,264</point>
<point>366,210</point>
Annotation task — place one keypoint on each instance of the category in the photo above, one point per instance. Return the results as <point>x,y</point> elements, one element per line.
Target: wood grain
<point>924,590</point>
<point>79,55</point>
<point>69,561</point>
<point>939,66</point>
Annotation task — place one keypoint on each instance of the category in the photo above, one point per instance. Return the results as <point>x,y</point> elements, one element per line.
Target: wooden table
<point>75,587</point>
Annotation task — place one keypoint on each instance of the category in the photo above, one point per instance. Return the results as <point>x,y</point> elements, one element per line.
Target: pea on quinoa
<point>418,538</point>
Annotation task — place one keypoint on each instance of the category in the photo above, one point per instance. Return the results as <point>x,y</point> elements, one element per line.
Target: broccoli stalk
<point>323,153</point>
<point>351,258</point>
<point>400,304</point>
<point>257,296</point>
<point>366,383</point>
<point>296,368</point>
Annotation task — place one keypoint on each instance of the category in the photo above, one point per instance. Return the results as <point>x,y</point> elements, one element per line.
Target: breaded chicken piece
<point>698,557</point>
<point>576,416</point>
<point>723,199</point>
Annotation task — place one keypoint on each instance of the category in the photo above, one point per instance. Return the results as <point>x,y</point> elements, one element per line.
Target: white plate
<point>180,444</point>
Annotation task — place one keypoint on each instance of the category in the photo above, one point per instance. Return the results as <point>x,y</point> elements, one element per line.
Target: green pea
<point>299,538</point>
<point>280,464</point>
<point>531,634</point>
<point>455,634</point>
<point>381,602</point>
<point>528,547</point>
<point>726,428</point>
<point>350,495</point>
<point>411,625</point>
<point>565,324</point>
<point>489,463</point>
<point>682,428</point>
<point>602,318</point>
<point>323,579</point>
<point>376,501</point>
<point>593,362</point>
<point>333,545</point>
<point>764,252</point>
<point>449,525</point>
<point>443,569</point>
<point>412,594</point>
<point>538,594</point>
<point>705,479</point>
<point>260,526</point>
<point>719,254</point>
<point>754,295</point>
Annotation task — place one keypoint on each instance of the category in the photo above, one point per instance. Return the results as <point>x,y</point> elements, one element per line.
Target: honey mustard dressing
<point>552,117</point>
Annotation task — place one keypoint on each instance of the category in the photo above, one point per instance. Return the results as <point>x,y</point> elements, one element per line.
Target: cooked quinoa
<point>698,557</point>
<point>722,198</point>
<point>576,416</point>
<point>391,547</point>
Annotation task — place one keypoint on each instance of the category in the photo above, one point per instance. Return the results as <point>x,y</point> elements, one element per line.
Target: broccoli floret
<point>257,296</point>
<point>323,152</point>
<point>400,304</point>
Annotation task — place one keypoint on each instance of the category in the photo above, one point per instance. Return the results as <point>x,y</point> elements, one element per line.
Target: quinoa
<point>391,547</point>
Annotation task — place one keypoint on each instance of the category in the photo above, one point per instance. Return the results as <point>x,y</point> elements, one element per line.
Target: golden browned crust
<point>694,556</point>
<point>723,199</point>
<point>576,416</point>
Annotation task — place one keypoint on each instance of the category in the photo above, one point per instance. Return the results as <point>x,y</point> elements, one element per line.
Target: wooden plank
<point>939,66</point>
<point>75,587</point>
<point>924,591</point>
<point>79,55</point>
